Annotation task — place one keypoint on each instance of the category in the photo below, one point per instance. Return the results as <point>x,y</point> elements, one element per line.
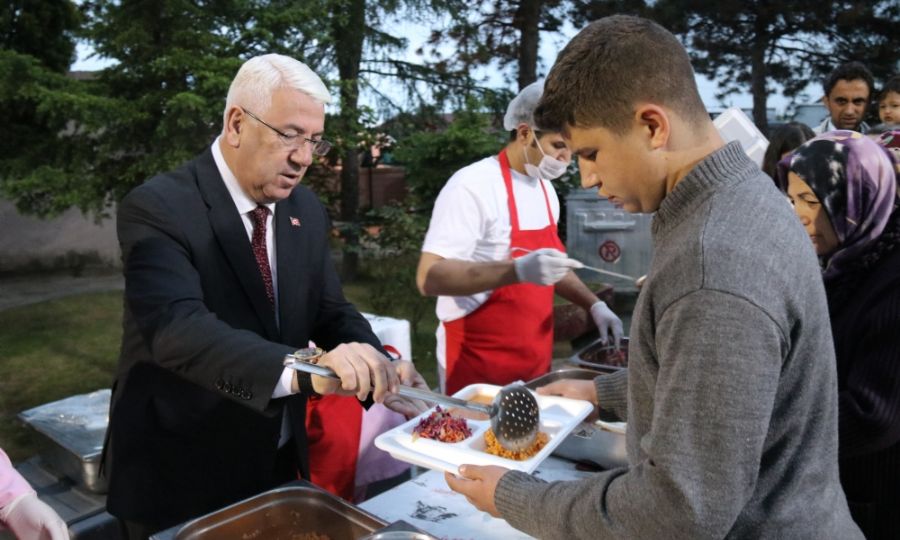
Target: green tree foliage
<point>36,48</point>
<point>500,32</point>
<point>90,141</point>
<point>43,29</point>
<point>432,157</point>
<point>866,31</point>
<point>747,45</point>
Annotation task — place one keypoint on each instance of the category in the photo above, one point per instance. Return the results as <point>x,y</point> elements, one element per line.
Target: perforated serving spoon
<point>514,413</point>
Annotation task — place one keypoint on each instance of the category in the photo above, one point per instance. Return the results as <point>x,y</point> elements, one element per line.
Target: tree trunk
<point>527,20</point>
<point>758,75</point>
<point>349,34</point>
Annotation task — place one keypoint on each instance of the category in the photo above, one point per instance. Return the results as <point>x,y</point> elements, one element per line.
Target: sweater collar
<point>724,167</point>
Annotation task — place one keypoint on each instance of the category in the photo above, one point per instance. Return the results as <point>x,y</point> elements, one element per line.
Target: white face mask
<point>548,169</point>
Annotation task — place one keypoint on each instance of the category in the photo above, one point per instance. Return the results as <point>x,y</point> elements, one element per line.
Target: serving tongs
<point>514,413</point>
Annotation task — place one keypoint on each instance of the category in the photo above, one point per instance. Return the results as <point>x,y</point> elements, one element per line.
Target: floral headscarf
<point>855,179</point>
<point>891,141</point>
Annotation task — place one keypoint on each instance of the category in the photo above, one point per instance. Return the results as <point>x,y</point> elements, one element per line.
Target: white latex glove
<point>31,518</point>
<point>544,266</point>
<point>607,322</point>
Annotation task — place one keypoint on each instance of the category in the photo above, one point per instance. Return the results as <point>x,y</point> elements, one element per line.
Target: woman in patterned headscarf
<point>844,189</point>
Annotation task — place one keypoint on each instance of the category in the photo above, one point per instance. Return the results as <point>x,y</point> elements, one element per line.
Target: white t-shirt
<point>471,222</point>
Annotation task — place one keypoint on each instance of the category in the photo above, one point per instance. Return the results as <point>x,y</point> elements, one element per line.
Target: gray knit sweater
<point>730,395</point>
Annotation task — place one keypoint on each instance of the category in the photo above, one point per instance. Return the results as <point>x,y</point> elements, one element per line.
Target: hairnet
<point>521,108</point>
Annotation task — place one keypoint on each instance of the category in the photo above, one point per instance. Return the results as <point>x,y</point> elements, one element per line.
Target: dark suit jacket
<point>193,426</point>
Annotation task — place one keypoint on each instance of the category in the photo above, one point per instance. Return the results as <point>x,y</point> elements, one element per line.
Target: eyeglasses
<point>294,141</point>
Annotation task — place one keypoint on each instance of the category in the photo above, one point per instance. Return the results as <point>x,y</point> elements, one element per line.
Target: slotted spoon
<point>514,412</point>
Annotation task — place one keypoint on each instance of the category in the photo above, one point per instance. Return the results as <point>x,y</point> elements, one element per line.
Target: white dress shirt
<point>245,205</point>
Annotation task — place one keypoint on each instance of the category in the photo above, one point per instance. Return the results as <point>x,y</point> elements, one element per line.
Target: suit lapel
<point>232,237</point>
<point>292,242</point>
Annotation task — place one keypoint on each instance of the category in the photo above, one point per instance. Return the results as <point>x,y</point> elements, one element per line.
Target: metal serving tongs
<point>514,413</point>
<point>595,269</point>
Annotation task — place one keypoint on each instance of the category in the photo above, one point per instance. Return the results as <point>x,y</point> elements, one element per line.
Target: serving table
<point>429,504</point>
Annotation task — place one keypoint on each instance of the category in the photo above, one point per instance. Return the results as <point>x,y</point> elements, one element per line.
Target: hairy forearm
<point>451,277</point>
<point>574,290</point>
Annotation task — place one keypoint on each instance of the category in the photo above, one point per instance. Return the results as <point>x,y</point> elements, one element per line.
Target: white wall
<point>70,241</point>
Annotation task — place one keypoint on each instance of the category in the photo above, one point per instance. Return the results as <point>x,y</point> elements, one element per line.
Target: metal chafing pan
<point>297,511</point>
<point>588,442</point>
<point>602,357</point>
<point>72,432</point>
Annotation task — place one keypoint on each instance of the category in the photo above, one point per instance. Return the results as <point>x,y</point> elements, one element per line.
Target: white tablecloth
<point>392,332</point>
<point>428,503</point>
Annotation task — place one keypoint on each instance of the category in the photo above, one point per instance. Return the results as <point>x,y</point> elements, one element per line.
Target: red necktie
<point>259,215</point>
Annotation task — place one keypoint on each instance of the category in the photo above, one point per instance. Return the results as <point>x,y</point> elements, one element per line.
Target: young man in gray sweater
<point>730,395</point>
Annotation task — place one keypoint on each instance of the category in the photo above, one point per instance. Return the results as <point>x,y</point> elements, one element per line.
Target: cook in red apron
<point>510,336</point>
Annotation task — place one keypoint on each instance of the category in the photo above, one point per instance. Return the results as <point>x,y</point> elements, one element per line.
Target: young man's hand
<point>478,484</point>
<point>571,388</point>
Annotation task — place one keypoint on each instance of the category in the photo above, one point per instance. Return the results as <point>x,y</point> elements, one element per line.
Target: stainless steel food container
<point>297,510</point>
<point>587,442</point>
<point>601,357</point>
<point>72,432</point>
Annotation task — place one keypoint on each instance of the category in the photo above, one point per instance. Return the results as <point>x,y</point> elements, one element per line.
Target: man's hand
<point>30,517</point>
<point>544,266</point>
<point>361,368</point>
<point>478,484</point>
<point>409,377</point>
<point>571,388</point>
<point>607,322</point>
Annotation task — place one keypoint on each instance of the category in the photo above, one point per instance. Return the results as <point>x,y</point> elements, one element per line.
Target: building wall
<point>74,242</point>
<point>71,241</point>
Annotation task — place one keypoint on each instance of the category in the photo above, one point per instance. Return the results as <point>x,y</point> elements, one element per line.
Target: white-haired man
<point>493,257</point>
<point>227,270</point>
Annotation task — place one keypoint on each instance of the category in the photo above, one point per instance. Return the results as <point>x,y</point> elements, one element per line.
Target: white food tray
<point>559,416</point>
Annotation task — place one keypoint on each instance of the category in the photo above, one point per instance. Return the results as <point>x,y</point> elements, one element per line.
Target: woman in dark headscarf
<point>844,189</point>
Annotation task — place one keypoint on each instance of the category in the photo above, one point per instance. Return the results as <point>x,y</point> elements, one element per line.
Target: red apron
<point>333,425</point>
<point>510,336</point>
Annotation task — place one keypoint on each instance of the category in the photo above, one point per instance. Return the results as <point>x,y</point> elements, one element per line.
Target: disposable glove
<point>31,518</point>
<point>607,322</point>
<point>544,266</point>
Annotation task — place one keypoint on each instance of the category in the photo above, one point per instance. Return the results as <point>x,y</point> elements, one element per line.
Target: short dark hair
<point>784,139</point>
<point>609,66</point>
<point>850,71</point>
<point>892,85</point>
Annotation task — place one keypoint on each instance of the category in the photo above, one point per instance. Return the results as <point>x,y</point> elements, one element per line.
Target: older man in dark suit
<point>227,270</point>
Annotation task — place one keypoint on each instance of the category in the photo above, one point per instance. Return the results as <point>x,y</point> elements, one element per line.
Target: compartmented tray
<point>559,416</point>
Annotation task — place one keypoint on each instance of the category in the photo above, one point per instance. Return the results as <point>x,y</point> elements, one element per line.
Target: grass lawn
<point>56,349</point>
<point>52,350</point>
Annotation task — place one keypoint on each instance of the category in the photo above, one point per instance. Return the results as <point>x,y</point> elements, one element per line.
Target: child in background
<point>889,101</point>
<point>782,142</point>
